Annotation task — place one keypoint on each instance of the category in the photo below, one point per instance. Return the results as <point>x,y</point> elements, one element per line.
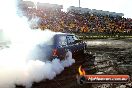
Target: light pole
<point>79,3</point>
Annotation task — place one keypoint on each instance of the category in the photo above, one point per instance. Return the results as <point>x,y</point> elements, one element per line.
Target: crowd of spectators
<point>57,20</point>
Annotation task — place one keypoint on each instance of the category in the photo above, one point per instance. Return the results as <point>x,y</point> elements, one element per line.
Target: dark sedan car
<point>60,44</point>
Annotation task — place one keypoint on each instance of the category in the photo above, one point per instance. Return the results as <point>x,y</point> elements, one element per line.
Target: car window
<point>62,40</point>
<point>71,39</point>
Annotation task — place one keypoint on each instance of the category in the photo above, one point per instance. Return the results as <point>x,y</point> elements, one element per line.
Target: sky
<point>118,6</point>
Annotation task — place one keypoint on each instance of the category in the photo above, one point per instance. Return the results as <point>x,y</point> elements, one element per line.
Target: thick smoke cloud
<point>18,63</point>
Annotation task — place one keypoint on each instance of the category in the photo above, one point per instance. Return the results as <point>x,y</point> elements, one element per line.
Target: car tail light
<point>55,52</point>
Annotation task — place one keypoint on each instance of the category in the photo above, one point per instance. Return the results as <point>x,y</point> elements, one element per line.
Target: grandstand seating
<point>77,22</point>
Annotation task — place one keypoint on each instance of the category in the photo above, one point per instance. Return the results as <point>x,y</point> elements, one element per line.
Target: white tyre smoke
<point>20,64</point>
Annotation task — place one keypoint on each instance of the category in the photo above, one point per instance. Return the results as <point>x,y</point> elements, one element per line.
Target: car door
<point>70,42</point>
<point>62,45</point>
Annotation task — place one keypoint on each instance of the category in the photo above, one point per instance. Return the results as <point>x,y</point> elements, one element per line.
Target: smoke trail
<point>18,63</point>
